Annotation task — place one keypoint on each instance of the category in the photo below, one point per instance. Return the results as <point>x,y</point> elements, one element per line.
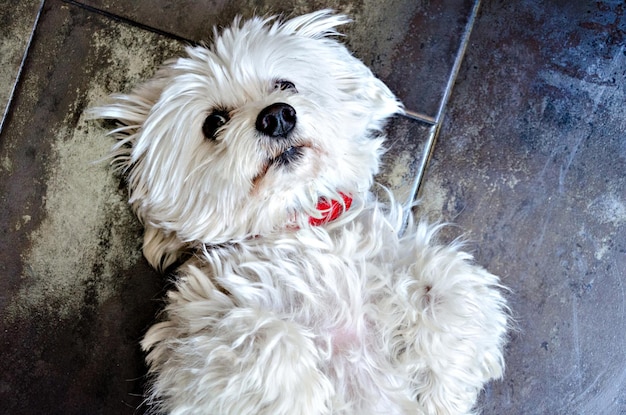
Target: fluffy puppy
<point>253,158</point>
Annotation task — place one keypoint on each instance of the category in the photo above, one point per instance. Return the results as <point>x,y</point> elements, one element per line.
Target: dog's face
<point>243,137</point>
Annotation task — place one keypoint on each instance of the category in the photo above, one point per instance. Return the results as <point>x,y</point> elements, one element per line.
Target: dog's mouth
<point>284,158</point>
<point>287,157</point>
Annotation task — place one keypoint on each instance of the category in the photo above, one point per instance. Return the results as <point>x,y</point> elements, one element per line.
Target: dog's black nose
<point>276,120</point>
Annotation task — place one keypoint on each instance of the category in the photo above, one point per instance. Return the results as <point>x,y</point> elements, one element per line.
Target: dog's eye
<point>284,85</point>
<point>213,122</point>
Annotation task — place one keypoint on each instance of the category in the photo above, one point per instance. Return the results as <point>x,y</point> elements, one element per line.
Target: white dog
<point>253,158</point>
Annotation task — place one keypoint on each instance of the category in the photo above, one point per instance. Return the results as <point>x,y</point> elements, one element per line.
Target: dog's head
<point>246,135</point>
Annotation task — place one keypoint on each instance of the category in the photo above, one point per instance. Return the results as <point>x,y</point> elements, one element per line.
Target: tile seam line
<point>458,61</point>
<point>419,116</point>
<point>20,68</point>
<point>436,127</point>
<point>129,22</point>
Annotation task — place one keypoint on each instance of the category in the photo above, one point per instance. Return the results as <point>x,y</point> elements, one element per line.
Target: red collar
<point>331,210</point>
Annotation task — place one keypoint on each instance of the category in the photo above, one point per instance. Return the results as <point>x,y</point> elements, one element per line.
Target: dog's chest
<point>331,293</point>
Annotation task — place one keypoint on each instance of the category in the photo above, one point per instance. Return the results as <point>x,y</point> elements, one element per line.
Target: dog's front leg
<point>212,356</point>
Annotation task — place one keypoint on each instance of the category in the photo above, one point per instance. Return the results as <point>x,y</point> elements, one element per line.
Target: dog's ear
<point>371,97</point>
<point>129,112</point>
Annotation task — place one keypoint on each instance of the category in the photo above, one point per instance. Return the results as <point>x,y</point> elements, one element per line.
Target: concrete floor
<point>529,162</point>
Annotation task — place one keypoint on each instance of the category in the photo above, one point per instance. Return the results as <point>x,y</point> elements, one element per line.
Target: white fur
<point>271,315</point>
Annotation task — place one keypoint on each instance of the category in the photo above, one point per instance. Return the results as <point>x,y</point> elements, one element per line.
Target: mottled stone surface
<point>531,161</point>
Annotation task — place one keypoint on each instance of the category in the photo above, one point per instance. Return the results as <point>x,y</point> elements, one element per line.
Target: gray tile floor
<point>529,162</point>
